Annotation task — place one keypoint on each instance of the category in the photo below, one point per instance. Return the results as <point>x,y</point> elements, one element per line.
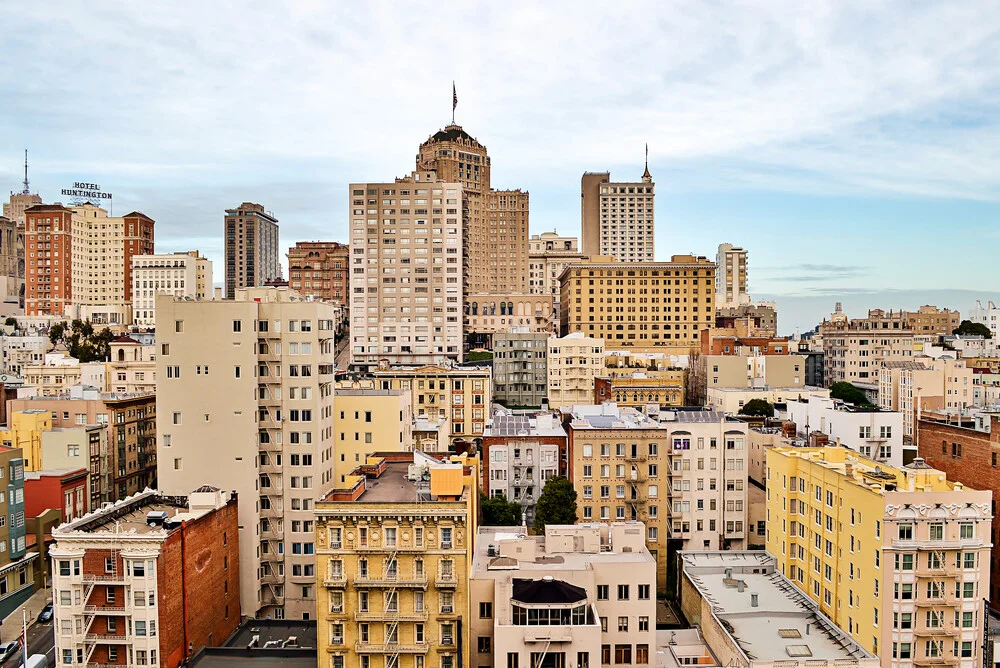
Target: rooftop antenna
<point>27,190</point>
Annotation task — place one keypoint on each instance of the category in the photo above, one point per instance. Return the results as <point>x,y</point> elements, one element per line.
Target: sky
<point>852,148</point>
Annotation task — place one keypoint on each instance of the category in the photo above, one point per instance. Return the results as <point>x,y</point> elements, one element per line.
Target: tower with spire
<point>616,219</point>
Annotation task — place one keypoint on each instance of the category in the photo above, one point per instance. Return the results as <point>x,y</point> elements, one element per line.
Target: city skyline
<point>786,131</point>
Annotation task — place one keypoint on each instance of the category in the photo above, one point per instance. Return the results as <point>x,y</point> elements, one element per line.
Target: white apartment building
<point>731,277</point>
<point>19,352</point>
<point>573,362</point>
<point>245,403</point>
<point>581,595</point>
<point>407,276</point>
<point>684,475</point>
<point>875,434</point>
<point>988,315</point>
<point>178,274</point>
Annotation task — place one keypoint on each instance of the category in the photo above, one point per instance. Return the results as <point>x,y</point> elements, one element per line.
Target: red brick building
<point>148,581</point>
<point>64,489</point>
<point>138,241</point>
<point>319,268</point>
<point>972,458</point>
<point>48,249</point>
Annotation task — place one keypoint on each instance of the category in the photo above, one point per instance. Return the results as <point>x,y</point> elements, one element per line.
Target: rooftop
<point>404,477</point>
<point>542,424</point>
<point>237,652</point>
<point>610,416</point>
<point>766,615</point>
<point>130,516</point>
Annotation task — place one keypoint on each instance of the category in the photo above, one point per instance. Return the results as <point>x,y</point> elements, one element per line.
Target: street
<point>342,356</point>
<point>41,640</point>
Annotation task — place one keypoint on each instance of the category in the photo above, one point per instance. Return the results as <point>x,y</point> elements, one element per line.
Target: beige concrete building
<point>393,557</point>
<point>245,403</point>
<point>11,265</point>
<point>407,279</point>
<point>654,306</point>
<point>463,396</point>
<point>132,367</point>
<point>178,274</point>
<point>103,248</point>
<point>58,372</point>
<point>662,388</point>
<point>320,268</point>
<point>19,352</point>
<point>616,457</point>
<point>491,314</point>
<point>933,321</point>
<point>367,420</point>
<point>731,399</point>
<point>581,595</point>
<point>756,371</point>
<point>252,253</point>
<point>548,255</point>
<point>617,218</point>
<point>87,447</point>
<point>14,208</point>
<point>898,558</point>
<point>855,349</point>
<point>574,361</point>
<point>750,615</point>
<point>937,384</point>
<point>731,276</point>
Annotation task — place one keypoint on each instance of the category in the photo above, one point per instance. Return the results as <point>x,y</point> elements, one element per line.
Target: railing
<point>446,580</point>
<point>390,648</point>
<point>104,579</point>
<point>104,610</point>
<point>381,616</point>
<point>925,544</point>
<point>335,580</point>
<point>112,639</point>
<point>371,581</point>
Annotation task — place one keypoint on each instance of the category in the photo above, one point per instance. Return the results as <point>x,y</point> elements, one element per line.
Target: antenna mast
<point>27,190</point>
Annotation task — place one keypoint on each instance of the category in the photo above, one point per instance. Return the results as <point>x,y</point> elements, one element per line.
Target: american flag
<point>454,96</point>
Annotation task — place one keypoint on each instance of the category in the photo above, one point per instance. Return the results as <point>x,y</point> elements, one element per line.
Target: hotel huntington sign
<point>82,192</point>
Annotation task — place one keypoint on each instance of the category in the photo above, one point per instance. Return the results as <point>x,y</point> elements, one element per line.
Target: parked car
<point>9,649</point>
<point>46,614</point>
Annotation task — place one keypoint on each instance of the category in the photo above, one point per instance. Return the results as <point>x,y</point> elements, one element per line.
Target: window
<point>623,592</point>
<point>623,624</point>
<point>644,623</point>
<point>644,592</point>
<point>603,592</point>
<point>906,532</point>
<point>623,654</point>
<point>483,643</point>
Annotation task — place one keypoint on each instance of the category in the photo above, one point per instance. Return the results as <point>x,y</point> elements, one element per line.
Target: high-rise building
<point>897,557</point>
<point>178,274</point>
<point>548,255</point>
<point>407,281</point>
<point>731,276</point>
<point>854,350</point>
<point>245,399</point>
<point>48,275</point>
<point>617,218</point>
<point>591,587</point>
<point>320,269</point>
<point>616,456</point>
<point>393,555</point>
<point>573,362</point>
<point>125,578</point>
<point>252,255</point>
<point>496,226</point>
<point>653,306</point>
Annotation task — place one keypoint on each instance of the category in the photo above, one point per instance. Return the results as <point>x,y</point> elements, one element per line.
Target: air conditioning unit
<point>337,640</point>
<point>447,610</point>
<point>447,640</point>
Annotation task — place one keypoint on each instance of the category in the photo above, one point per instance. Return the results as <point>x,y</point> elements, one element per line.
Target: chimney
<point>740,585</point>
<point>753,601</point>
<point>218,293</point>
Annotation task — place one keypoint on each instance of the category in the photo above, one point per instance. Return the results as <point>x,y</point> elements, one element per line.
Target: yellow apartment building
<point>24,431</point>
<point>394,551</point>
<point>637,389</point>
<point>367,421</point>
<point>899,558</point>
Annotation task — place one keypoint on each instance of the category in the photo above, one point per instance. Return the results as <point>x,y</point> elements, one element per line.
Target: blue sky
<point>851,148</point>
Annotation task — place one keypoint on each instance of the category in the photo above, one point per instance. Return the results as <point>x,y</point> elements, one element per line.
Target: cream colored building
<point>731,399</point>
<point>58,372</point>
<point>756,371</point>
<point>855,350</point>
<point>178,274</point>
<point>407,280</point>
<point>367,421</point>
<point>245,403</point>
<point>548,255</point>
<point>875,434</point>
<point>617,456</point>
<point>653,306</point>
<point>617,218</point>
<point>19,352</point>
<point>898,558</point>
<point>938,384</point>
<point>393,557</point>
<point>132,368</point>
<point>574,361</point>
<point>83,447</point>
<point>731,276</point>
<point>750,615</point>
<point>461,395</point>
<point>581,595</point>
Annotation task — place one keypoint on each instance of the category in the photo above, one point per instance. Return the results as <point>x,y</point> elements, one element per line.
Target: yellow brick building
<point>24,431</point>
<point>899,558</point>
<point>649,306</point>
<point>366,420</point>
<point>394,552</point>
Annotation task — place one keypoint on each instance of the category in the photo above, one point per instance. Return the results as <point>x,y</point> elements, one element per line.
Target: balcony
<point>109,639</point>
<point>104,609</point>
<point>417,582</point>
<point>935,631</point>
<point>389,648</point>
<point>335,580</point>
<point>104,579</point>
<point>636,457</point>
<point>446,581</point>
<point>955,544</point>
<point>270,468</point>
<point>271,578</point>
<point>383,616</point>
<point>942,601</point>
<point>270,512</point>
<point>935,660</point>
<point>636,499</point>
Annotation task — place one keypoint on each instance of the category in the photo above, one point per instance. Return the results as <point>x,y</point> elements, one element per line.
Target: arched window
<point>503,308</point>
<point>510,308</point>
<point>475,308</point>
<point>121,354</point>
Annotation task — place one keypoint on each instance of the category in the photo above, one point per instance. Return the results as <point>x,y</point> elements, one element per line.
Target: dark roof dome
<point>453,133</point>
<point>546,591</point>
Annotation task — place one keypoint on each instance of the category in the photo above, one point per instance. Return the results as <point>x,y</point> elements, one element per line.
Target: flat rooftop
<point>236,653</point>
<point>784,624</point>
<point>390,487</point>
<point>128,516</point>
<point>524,425</point>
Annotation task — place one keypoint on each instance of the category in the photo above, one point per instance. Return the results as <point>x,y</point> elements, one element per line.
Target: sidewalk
<point>11,625</point>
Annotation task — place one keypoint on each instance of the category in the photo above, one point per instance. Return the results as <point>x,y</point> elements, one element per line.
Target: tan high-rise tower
<point>617,218</point>
<point>497,222</point>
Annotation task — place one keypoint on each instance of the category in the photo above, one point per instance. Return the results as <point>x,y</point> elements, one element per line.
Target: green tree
<point>758,408</point>
<point>82,341</point>
<point>499,512</point>
<point>556,505</point>
<point>849,393</point>
<point>11,322</point>
<point>969,328</point>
